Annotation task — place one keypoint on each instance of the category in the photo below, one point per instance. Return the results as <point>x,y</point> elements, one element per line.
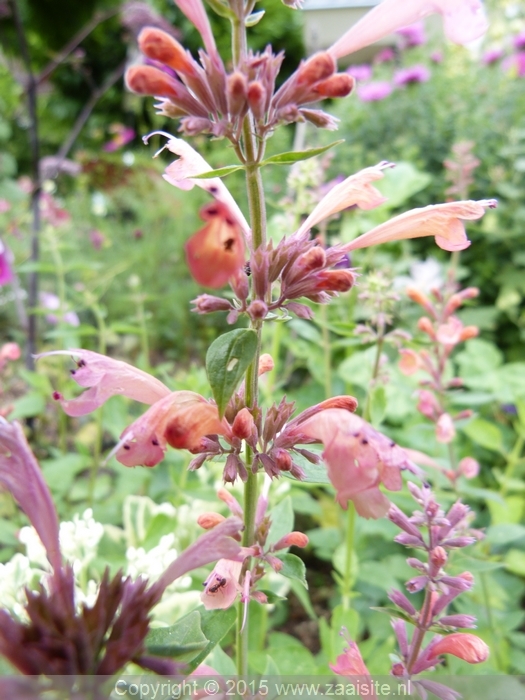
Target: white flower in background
<point>153,563</point>
<point>35,550</point>
<point>15,576</point>
<point>425,275</point>
<point>79,539</point>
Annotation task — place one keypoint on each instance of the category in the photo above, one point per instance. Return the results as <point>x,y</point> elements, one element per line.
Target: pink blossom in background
<point>465,646</point>
<point>222,585</point>
<point>6,272</point>
<point>122,135</point>
<point>360,72</point>
<point>469,467</point>
<point>519,41</point>
<point>385,55</point>
<point>491,56</point>
<point>445,430</point>
<point>51,211</point>
<point>375,91</point>
<point>414,74</point>
<point>52,303</point>
<point>4,206</point>
<point>413,35</point>
<point>436,57</point>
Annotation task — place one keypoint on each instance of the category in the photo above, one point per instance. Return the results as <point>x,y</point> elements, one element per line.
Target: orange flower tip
<point>319,67</point>
<point>335,280</point>
<point>338,85</point>
<point>292,539</point>
<point>417,295</point>
<point>243,424</point>
<point>147,80</point>
<point>314,259</point>
<point>210,520</point>
<point>347,403</point>
<point>465,646</point>
<point>266,364</point>
<point>160,46</point>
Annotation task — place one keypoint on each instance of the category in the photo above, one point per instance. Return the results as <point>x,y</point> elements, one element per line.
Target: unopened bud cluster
<point>436,533</point>
<point>208,99</point>
<point>444,331</point>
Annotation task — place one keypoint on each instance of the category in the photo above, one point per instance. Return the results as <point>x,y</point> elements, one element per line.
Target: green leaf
<point>227,360</point>
<point>182,641</point>
<point>220,9</point>
<point>215,625</point>
<point>290,157</point>
<point>282,520</point>
<point>515,562</point>
<point>218,172</point>
<point>503,534</point>
<point>485,434</point>
<point>314,473</point>
<point>294,568</point>
<point>32,404</point>
<point>254,18</point>
<point>304,599</point>
<point>401,183</point>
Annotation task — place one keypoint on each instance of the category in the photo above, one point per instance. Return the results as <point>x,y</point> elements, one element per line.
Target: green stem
<point>490,621</point>
<point>347,576</point>
<point>513,459</point>
<point>375,373</point>
<point>327,353</point>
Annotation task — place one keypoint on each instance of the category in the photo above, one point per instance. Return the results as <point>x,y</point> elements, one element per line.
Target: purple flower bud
<point>466,621</point>
<point>402,602</point>
<point>460,582</point>
<point>417,584</point>
<point>417,564</point>
<point>459,542</point>
<point>457,513</point>
<point>401,520</point>
<point>400,631</point>
<point>300,310</point>
<point>206,303</point>
<point>408,540</point>
<point>257,309</point>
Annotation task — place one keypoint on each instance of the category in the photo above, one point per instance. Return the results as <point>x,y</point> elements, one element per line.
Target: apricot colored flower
<point>350,663</point>
<point>222,585</point>
<point>443,221</point>
<point>463,21</point>
<point>216,252</point>
<point>358,459</point>
<point>356,190</point>
<point>465,646</point>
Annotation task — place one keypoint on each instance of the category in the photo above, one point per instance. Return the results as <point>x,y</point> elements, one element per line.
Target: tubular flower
<point>358,459</point>
<point>222,585</point>
<point>105,377</point>
<point>216,252</point>
<point>176,418</point>
<point>350,663</point>
<point>356,190</point>
<point>465,646</point>
<point>443,221</point>
<point>463,21</point>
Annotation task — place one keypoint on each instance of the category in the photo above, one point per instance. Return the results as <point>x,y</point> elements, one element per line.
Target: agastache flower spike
<point>464,21</point>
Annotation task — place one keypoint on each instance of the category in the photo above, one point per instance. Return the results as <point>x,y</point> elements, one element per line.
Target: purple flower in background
<point>413,74</point>
<point>436,57</point>
<point>413,35</point>
<point>491,56</point>
<point>96,238</point>
<point>373,92</point>
<point>362,72</point>
<point>6,273</point>
<point>515,64</point>
<point>385,55</point>
<point>122,135</point>
<point>519,41</point>
<point>52,303</point>
<point>4,206</point>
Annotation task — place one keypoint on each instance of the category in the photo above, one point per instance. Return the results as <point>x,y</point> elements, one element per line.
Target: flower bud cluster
<point>208,99</point>
<point>444,331</point>
<point>436,533</point>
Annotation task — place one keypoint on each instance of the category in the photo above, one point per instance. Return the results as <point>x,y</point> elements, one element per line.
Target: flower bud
<point>147,80</point>
<point>232,503</point>
<point>160,46</point>
<point>338,85</point>
<point>318,67</point>
<point>410,361</point>
<point>240,285</point>
<point>313,259</point>
<point>257,309</point>
<point>206,304</point>
<point>416,584</point>
<point>256,96</point>
<point>445,430</point>
<point>210,520</point>
<point>320,119</point>
<point>300,310</point>
<point>459,620</point>
<point>417,295</point>
<point>438,558</point>
<point>402,602</point>
<point>335,280</point>
<point>292,539</point>
<point>282,459</point>
<point>428,404</point>
<point>266,364</point>
<point>469,332</point>
<point>425,324</point>
<point>237,88</point>
<point>469,467</point>
<point>465,646</point>
<point>243,424</point>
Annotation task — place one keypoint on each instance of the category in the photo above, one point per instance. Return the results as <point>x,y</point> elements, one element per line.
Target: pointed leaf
<point>219,8</point>
<point>294,568</point>
<point>218,172</point>
<point>227,360</point>
<point>254,18</point>
<point>290,157</point>
<point>215,625</point>
<point>182,641</point>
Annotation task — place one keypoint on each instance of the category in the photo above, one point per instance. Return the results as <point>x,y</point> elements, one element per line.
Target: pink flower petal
<point>222,585</point>
<point>106,377</point>
<point>356,190</point>
<point>465,646</point>
<point>443,221</point>
<point>464,21</point>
